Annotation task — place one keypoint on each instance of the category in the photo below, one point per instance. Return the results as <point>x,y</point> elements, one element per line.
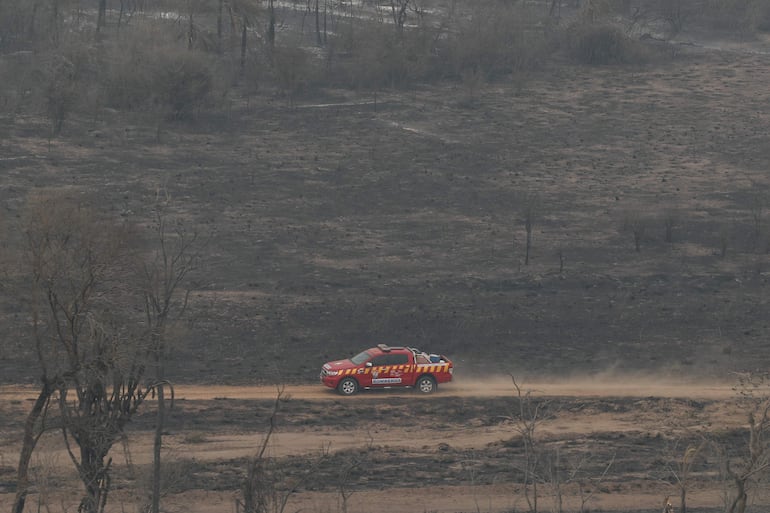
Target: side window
<point>390,359</point>
<point>381,360</point>
<point>399,359</point>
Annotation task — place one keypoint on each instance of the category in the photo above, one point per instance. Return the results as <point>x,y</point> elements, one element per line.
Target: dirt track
<point>497,387</point>
<point>489,387</point>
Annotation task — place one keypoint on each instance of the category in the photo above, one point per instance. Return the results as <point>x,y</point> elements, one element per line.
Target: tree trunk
<point>157,446</point>
<point>683,500</point>
<point>555,9</point>
<point>121,12</point>
<point>94,474</point>
<point>55,20</point>
<point>102,17</point>
<point>244,35</point>
<point>529,240</point>
<point>317,24</point>
<point>398,11</point>
<point>32,18</point>
<point>220,8</point>
<point>271,24</point>
<point>739,503</point>
<point>29,441</point>
<point>190,32</point>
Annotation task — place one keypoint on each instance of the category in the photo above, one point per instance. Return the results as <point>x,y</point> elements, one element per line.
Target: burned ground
<point>332,228</point>
<point>339,222</point>
<point>619,453</point>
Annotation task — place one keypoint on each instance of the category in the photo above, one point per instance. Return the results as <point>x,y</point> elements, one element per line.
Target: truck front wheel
<point>426,385</point>
<point>347,386</point>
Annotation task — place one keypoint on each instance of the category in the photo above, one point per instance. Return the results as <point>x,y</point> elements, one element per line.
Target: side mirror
<point>368,364</point>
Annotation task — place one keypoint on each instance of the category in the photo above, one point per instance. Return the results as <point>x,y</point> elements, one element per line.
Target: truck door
<point>379,371</point>
<point>401,371</point>
<point>389,370</point>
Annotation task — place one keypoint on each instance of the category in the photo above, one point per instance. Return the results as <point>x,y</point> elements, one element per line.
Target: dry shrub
<point>127,80</point>
<point>734,15</point>
<point>374,55</point>
<point>26,24</point>
<point>17,70</point>
<point>603,44</point>
<point>60,93</point>
<point>183,82</point>
<point>146,69</point>
<point>760,16</point>
<point>293,69</point>
<point>497,39</point>
<point>255,71</point>
<point>59,82</point>
<point>177,81</point>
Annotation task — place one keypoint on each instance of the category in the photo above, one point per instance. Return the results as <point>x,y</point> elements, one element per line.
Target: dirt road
<point>631,386</point>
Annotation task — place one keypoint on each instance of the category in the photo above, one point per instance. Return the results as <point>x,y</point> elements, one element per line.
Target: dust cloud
<point>608,384</point>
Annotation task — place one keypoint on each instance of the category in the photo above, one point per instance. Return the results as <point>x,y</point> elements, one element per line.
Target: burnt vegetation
<point>543,186</point>
<point>342,152</point>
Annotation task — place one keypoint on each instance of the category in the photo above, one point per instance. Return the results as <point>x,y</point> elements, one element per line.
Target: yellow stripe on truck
<point>434,368</point>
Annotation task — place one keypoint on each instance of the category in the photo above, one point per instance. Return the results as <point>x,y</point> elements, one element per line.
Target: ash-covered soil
<point>332,228</point>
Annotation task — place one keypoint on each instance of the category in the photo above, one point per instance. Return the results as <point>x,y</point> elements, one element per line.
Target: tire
<point>347,386</point>
<point>426,385</point>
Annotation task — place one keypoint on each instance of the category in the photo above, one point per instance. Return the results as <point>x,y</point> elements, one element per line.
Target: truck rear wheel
<point>426,385</point>
<point>347,386</point>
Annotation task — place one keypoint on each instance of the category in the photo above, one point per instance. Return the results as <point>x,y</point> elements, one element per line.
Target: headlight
<point>332,373</point>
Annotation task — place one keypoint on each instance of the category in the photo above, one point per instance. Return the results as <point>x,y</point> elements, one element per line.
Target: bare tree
<point>745,470</point>
<point>529,212</point>
<point>33,430</point>
<point>259,492</point>
<point>290,66</point>
<point>636,224</point>
<point>676,13</point>
<point>725,236</point>
<point>271,25</point>
<point>555,9</point>
<point>526,420</point>
<point>349,467</point>
<point>594,10</point>
<point>101,18</point>
<point>682,469</point>
<point>91,366</point>
<point>60,93</point>
<point>194,7</point>
<point>264,489</point>
<point>670,221</point>
<point>243,15</point>
<point>576,475</point>
<point>757,205</point>
<point>317,11</point>
<point>398,12</point>
<point>220,10</point>
<point>162,276</point>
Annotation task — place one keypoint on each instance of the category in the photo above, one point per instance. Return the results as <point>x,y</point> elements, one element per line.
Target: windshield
<point>360,358</point>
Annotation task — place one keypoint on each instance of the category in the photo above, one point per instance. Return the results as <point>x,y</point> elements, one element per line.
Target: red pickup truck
<point>385,367</point>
